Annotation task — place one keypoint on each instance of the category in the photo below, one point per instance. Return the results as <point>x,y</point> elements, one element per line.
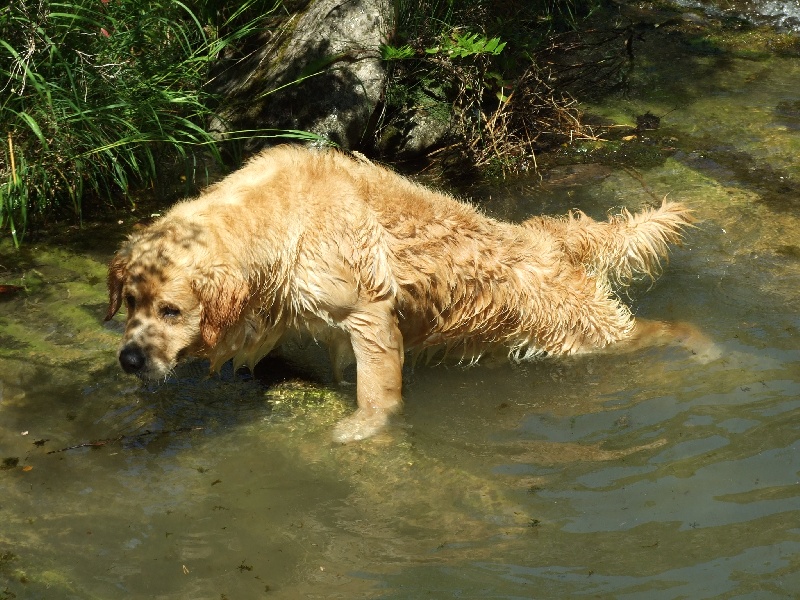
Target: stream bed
<point>648,475</point>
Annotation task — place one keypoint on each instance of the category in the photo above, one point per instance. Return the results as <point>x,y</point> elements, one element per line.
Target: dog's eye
<point>170,312</point>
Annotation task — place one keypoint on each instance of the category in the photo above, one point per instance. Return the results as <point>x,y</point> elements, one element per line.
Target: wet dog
<point>373,265</point>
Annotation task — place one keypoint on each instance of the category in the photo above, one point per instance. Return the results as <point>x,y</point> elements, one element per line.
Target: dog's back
<point>469,284</point>
<point>375,265</point>
<point>462,281</point>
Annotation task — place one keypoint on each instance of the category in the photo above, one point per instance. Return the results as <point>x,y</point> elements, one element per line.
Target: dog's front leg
<point>378,349</point>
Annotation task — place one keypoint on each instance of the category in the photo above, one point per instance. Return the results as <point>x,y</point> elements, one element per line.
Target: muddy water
<point>646,475</point>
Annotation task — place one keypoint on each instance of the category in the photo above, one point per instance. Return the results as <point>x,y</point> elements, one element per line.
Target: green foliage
<point>389,52</point>
<point>463,46</point>
<point>482,60</point>
<point>453,46</point>
<point>100,94</point>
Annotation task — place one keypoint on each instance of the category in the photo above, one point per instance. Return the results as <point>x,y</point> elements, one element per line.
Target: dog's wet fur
<point>315,243</point>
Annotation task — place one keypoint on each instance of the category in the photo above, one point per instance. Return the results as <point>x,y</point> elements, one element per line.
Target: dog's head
<point>180,293</point>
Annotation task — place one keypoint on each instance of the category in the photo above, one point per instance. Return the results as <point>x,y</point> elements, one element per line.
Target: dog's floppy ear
<point>117,270</point>
<point>223,294</point>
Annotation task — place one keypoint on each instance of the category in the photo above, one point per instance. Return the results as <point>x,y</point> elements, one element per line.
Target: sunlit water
<point>649,475</point>
<point>783,14</point>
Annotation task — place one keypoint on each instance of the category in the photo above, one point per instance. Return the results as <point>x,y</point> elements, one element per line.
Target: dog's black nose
<point>132,359</point>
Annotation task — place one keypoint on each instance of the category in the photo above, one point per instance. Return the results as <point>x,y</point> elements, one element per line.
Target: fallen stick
<point>120,438</point>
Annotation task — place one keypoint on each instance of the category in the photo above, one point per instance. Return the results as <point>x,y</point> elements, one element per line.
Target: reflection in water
<point>642,475</point>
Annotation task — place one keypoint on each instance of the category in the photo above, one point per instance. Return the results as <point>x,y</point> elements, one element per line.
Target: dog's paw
<point>360,426</point>
<point>704,350</point>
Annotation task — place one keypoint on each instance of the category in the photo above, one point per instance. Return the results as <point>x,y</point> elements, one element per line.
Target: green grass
<point>99,95</point>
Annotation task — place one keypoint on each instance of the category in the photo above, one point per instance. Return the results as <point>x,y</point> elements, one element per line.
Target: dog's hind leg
<point>662,333</point>
<point>378,348</point>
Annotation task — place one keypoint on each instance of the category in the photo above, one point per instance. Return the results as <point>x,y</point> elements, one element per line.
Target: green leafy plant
<point>389,52</point>
<point>485,63</point>
<point>463,46</point>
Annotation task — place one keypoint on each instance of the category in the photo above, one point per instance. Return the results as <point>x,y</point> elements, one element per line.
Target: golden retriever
<point>372,265</point>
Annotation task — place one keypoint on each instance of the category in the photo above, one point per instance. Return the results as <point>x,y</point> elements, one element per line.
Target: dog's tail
<point>627,245</point>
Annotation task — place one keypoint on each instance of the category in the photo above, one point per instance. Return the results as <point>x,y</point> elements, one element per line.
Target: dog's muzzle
<point>132,359</point>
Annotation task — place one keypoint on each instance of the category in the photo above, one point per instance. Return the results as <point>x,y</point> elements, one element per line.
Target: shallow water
<point>783,14</point>
<point>643,475</point>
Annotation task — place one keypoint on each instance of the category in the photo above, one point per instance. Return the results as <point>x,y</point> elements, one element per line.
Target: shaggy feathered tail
<point>626,246</point>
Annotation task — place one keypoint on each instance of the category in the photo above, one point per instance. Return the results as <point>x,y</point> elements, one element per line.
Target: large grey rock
<point>332,46</point>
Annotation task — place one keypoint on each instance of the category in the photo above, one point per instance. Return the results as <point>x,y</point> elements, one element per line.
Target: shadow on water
<point>642,475</point>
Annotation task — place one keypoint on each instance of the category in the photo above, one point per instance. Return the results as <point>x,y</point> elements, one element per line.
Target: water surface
<point>644,475</point>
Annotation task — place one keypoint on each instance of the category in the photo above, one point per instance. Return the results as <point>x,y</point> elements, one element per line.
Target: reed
<point>99,95</point>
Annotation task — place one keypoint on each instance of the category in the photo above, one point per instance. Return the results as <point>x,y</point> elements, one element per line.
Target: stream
<point>648,475</point>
